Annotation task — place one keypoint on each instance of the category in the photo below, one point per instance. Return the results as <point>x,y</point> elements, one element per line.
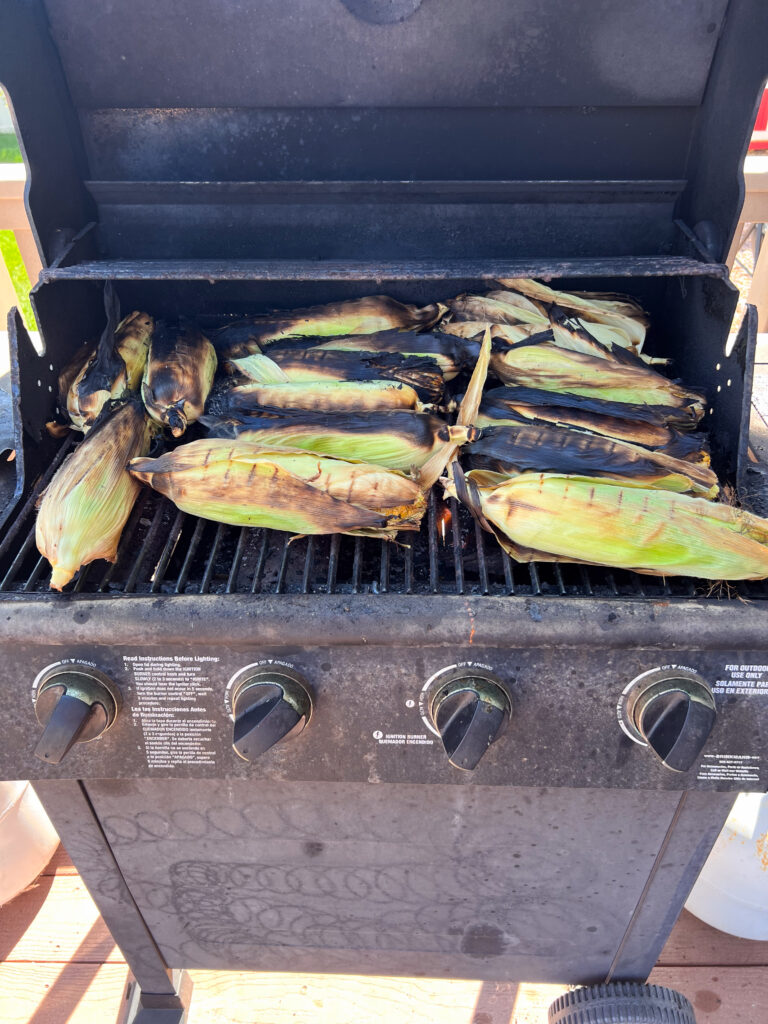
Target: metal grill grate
<point>165,551</point>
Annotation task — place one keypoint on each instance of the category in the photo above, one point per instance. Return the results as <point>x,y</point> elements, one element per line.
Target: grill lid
<point>375,129</point>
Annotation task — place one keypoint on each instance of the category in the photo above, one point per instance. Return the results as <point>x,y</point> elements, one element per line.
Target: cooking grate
<point>165,551</point>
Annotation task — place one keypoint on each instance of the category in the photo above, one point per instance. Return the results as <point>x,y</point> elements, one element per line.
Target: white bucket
<point>27,838</point>
<point>731,892</point>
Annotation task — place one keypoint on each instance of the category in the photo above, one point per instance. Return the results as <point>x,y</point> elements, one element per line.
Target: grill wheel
<point>622,1003</point>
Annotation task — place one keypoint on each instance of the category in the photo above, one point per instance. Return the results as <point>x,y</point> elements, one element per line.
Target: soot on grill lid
<point>368,129</point>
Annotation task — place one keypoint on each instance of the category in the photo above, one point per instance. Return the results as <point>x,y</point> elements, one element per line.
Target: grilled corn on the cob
<point>178,375</point>
<point>617,378</point>
<point>560,517</point>
<point>325,396</point>
<point>314,364</point>
<point>112,368</point>
<point>86,504</point>
<point>244,484</point>
<point>647,425</point>
<point>552,449</point>
<point>613,311</point>
<point>356,316</point>
<point>396,440</point>
<point>452,354</point>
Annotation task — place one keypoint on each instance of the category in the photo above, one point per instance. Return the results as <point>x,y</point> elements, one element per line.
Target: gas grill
<point>267,773</point>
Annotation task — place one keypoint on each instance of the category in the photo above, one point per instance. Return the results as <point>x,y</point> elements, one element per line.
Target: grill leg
<point>67,805</point>
<point>151,1008</point>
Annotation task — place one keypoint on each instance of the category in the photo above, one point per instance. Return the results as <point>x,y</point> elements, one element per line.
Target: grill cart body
<point>221,165</point>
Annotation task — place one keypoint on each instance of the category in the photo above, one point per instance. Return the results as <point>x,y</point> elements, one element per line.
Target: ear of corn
<point>613,379</point>
<point>396,440</point>
<point>313,364</point>
<point>103,377</point>
<point>178,375</point>
<point>650,426</point>
<point>243,484</point>
<point>452,354</point>
<point>559,517</point>
<point>610,310</point>
<point>86,504</point>
<point>326,396</point>
<point>552,449</point>
<point>356,316</point>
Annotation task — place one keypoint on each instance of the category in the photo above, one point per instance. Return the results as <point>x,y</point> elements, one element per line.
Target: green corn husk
<point>325,396</point>
<point>565,518</point>
<point>646,425</point>
<point>178,375</point>
<point>86,505</point>
<point>452,354</point>
<point>395,440</point>
<point>617,378</point>
<point>313,364</point>
<point>545,448</point>
<point>356,316</point>
<point>110,370</point>
<point>616,311</point>
<point>244,484</point>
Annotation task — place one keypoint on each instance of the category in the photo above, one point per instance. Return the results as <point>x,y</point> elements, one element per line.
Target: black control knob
<point>673,711</point>
<point>470,711</point>
<point>268,706</point>
<point>75,703</point>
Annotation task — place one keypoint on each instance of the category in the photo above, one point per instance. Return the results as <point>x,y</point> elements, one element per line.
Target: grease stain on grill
<point>481,941</point>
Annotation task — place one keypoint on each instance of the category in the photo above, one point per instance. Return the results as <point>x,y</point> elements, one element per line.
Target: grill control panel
<point>632,719</point>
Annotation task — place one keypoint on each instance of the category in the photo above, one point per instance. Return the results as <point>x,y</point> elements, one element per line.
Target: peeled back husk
<point>85,506</point>
<point>244,484</point>
<point>178,375</point>
<point>566,518</point>
<point>613,379</point>
<point>545,448</point>
<point>355,316</point>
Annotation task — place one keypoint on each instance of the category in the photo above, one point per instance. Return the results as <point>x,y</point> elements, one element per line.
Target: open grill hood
<point>384,129</point>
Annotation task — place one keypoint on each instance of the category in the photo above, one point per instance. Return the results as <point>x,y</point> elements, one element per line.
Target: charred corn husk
<point>86,505</point>
<point>243,484</point>
<point>618,312</point>
<point>326,396</point>
<point>356,316</point>
<point>112,368</point>
<point>613,379</point>
<point>510,334</point>
<point>551,449</point>
<point>178,375</point>
<point>646,425</point>
<point>559,517</point>
<point>396,440</point>
<point>314,364</point>
<point>452,354</point>
<point>511,314</point>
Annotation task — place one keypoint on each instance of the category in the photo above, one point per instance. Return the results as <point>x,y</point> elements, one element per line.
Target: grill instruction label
<point>747,680</point>
<point>171,694</point>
